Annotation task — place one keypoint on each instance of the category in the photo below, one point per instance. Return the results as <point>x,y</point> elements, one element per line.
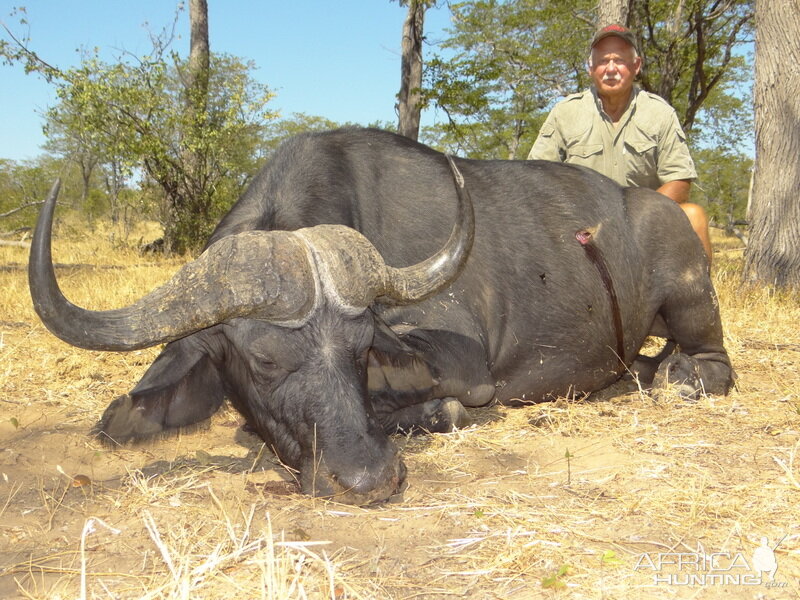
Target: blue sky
<point>334,58</point>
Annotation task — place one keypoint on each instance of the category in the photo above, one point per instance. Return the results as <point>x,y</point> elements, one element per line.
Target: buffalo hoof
<point>644,367</point>
<point>440,415</point>
<point>681,373</point>
<point>450,415</point>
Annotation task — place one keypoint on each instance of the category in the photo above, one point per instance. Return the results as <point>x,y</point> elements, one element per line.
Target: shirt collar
<point>631,103</point>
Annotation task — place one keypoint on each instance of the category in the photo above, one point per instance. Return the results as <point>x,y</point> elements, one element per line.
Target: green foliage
<point>140,116</point>
<point>609,558</point>
<point>692,53</point>
<point>134,115</point>
<point>279,130</point>
<point>726,118</point>
<point>722,185</point>
<point>25,184</point>
<point>555,581</point>
<point>15,49</point>
<point>508,61</point>
<point>96,204</point>
<point>496,75</point>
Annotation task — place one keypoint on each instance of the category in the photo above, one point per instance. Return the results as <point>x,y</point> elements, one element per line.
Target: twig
<point>789,469</point>
<point>150,524</point>
<point>58,502</point>
<point>88,528</point>
<point>15,488</point>
<point>228,524</point>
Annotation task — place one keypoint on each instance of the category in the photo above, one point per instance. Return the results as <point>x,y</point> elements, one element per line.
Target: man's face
<point>614,67</point>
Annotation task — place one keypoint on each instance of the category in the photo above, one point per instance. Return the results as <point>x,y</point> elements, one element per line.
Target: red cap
<point>615,30</point>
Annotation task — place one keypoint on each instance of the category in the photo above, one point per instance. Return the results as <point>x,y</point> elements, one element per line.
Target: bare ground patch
<point>576,498</point>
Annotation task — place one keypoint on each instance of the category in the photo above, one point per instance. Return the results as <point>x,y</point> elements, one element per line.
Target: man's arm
<point>548,144</point>
<point>678,190</point>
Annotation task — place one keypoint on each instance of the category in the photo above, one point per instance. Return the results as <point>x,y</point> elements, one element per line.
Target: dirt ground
<point>617,495</point>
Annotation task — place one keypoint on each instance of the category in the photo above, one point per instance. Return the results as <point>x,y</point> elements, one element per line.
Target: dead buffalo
<point>325,349</point>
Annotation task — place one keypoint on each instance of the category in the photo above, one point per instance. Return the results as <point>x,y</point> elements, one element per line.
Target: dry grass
<point>555,500</point>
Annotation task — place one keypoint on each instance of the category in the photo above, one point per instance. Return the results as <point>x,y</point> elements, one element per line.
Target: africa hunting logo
<point>700,568</point>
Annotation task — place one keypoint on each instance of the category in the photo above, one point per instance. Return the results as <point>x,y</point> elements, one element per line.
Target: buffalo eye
<point>265,365</point>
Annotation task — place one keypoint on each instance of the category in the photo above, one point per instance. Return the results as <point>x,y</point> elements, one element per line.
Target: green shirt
<point>647,148</point>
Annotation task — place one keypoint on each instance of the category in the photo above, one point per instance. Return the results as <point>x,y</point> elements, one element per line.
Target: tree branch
<point>33,60</point>
<point>19,208</point>
<point>15,244</point>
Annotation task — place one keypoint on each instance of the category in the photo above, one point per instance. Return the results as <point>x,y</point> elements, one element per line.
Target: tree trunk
<point>408,105</point>
<point>199,56</point>
<point>610,12</point>
<point>186,191</point>
<point>114,183</point>
<point>773,253</point>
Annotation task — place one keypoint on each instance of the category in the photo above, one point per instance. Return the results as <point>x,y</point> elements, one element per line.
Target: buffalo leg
<point>692,316</point>
<point>683,295</point>
<point>439,415</point>
<point>426,388</point>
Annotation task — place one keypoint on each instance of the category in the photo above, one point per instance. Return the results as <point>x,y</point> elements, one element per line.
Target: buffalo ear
<point>386,341</point>
<point>394,367</point>
<point>182,387</point>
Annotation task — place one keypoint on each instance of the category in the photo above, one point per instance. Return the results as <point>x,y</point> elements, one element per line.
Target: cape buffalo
<point>325,350</point>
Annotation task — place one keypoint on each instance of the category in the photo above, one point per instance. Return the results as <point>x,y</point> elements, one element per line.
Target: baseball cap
<point>617,30</point>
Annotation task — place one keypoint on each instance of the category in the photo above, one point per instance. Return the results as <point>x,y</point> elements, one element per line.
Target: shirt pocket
<point>584,154</point>
<point>641,161</point>
<point>547,130</point>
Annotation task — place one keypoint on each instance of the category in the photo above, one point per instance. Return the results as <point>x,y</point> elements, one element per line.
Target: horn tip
<point>457,176</point>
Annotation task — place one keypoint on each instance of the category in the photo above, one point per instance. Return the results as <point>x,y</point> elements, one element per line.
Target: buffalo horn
<point>354,273</point>
<point>254,273</point>
<point>416,282</point>
<point>265,275</point>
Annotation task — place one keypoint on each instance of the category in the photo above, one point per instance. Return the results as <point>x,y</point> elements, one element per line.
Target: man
<point>623,132</point>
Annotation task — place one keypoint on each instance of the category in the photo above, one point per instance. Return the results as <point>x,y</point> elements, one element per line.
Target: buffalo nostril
<point>364,486</point>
